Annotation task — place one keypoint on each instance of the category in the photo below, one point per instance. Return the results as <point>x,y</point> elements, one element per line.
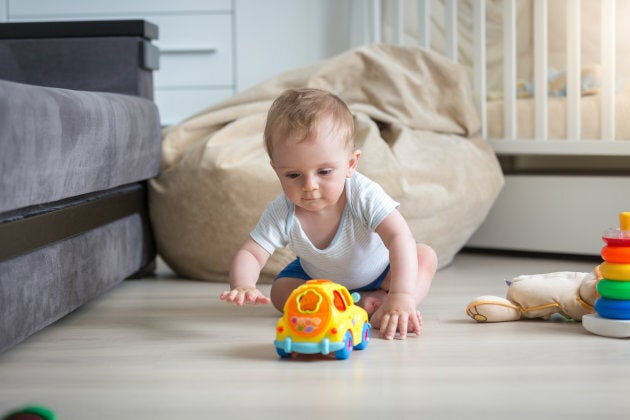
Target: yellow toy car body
<point>321,317</point>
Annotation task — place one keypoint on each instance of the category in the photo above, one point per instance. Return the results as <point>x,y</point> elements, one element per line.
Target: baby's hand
<point>245,295</point>
<point>397,313</point>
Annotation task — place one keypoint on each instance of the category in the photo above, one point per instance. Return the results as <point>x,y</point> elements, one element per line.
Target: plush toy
<point>569,294</point>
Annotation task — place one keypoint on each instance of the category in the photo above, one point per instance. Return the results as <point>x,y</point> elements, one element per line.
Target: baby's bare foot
<point>371,301</point>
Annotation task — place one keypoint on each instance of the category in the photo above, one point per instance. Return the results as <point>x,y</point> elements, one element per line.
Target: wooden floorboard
<point>167,348</point>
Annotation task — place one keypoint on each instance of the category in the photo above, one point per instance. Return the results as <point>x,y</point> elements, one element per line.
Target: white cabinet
<point>63,8</point>
<point>196,44</point>
<point>211,49</point>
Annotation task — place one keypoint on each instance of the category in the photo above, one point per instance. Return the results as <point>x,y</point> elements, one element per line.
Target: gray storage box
<point>105,56</point>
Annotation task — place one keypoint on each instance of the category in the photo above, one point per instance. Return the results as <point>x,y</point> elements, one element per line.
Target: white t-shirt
<point>356,256</point>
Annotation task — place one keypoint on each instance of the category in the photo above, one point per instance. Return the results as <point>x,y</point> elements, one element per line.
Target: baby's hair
<point>296,113</point>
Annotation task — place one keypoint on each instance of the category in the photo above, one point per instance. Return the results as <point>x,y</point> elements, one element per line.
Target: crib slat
<point>399,23</point>
<point>540,70</point>
<point>424,23</point>
<point>574,95</point>
<point>509,69</point>
<point>608,70</point>
<point>479,63</point>
<point>450,25</point>
<point>375,15</point>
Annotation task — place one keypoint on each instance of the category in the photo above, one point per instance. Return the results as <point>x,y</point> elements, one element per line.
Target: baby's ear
<point>353,163</point>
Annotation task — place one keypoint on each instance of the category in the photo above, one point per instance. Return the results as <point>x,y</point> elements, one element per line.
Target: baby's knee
<point>282,289</point>
<point>427,257</point>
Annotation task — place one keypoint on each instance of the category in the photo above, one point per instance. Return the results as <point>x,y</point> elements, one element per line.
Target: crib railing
<point>574,144</point>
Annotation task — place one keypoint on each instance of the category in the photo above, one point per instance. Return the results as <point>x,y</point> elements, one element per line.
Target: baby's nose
<point>310,183</point>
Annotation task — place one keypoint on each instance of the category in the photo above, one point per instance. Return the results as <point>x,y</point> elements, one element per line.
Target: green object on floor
<point>32,412</point>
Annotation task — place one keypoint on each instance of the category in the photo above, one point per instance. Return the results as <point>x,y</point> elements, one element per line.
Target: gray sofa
<point>79,137</point>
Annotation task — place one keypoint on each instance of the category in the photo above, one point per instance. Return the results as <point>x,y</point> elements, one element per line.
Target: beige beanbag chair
<point>415,124</point>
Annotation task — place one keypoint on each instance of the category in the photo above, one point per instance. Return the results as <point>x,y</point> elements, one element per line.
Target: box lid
<point>65,29</point>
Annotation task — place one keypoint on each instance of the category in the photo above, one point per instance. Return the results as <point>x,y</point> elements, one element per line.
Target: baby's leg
<point>427,265</point>
<point>281,289</point>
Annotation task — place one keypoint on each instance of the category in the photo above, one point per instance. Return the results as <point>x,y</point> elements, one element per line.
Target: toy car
<point>321,317</point>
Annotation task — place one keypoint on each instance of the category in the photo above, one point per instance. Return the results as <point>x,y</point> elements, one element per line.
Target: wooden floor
<point>167,348</point>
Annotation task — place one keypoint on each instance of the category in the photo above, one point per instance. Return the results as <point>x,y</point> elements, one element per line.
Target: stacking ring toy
<point>617,328</point>
<point>613,309</point>
<point>621,236</point>
<point>616,239</point>
<point>616,254</point>
<point>614,289</point>
<point>610,271</point>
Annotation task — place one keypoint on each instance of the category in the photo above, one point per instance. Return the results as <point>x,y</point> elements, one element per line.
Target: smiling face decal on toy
<point>308,302</point>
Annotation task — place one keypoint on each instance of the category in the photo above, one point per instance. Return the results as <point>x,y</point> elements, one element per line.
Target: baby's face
<point>312,172</point>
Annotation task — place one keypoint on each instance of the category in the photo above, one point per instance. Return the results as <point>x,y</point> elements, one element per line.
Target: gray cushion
<point>40,287</point>
<point>58,143</point>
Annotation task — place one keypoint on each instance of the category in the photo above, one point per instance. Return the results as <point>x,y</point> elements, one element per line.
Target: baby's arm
<point>399,311</point>
<point>244,272</point>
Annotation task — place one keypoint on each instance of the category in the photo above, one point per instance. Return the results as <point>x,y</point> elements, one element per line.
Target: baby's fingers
<point>389,325</point>
<point>233,296</point>
<point>240,297</point>
<point>402,323</point>
<point>227,295</point>
<point>256,298</point>
<point>416,323</point>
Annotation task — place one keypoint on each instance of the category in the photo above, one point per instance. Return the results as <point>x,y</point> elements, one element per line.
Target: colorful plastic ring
<point>617,328</point>
<point>619,272</point>
<point>616,254</point>
<point>613,309</point>
<point>616,237</point>
<point>614,289</point>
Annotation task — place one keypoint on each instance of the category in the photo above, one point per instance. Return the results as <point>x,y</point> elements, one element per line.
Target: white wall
<point>275,36</point>
<point>554,213</point>
<point>261,39</point>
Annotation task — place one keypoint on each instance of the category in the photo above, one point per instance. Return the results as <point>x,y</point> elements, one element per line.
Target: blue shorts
<point>295,270</point>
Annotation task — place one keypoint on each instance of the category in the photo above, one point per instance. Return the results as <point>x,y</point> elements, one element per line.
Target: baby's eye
<point>292,175</point>
<point>325,171</point>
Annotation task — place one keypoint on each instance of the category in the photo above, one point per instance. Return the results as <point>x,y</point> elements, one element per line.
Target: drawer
<point>194,50</point>
<point>37,8</point>
<point>178,104</point>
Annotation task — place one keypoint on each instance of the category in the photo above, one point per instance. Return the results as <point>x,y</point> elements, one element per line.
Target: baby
<point>341,225</point>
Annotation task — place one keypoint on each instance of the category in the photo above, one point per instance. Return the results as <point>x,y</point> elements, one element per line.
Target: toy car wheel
<point>283,353</point>
<point>365,335</point>
<point>345,352</point>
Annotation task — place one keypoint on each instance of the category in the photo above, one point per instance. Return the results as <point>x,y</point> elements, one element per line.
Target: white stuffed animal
<point>569,294</point>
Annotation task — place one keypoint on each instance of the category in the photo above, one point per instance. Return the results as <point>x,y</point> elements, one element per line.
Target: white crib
<point>562,136</point>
